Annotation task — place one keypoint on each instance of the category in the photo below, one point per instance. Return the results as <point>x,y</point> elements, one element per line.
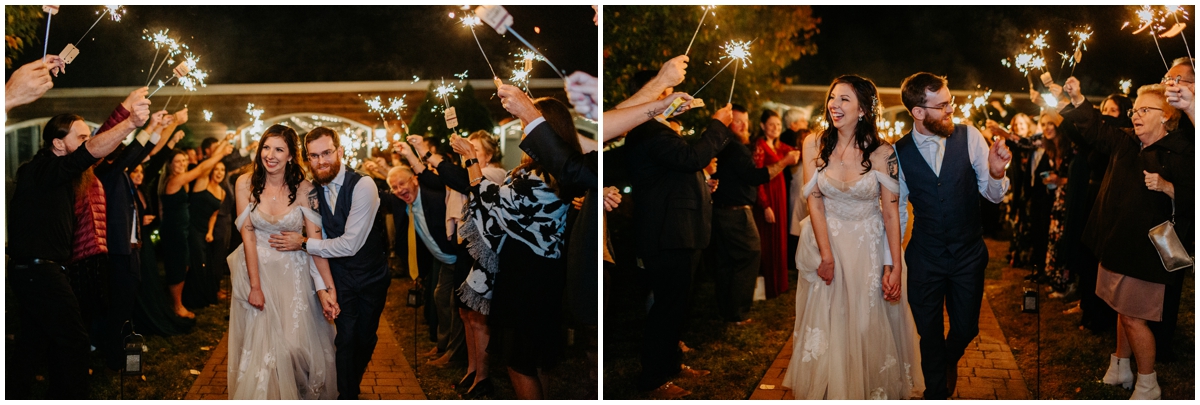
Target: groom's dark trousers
<point>956,282</point>
<point>361,282</point>
<point>946,256</point>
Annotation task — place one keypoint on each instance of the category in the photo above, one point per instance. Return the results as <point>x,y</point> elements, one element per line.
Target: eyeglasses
<point>1140,111</point>
<point>323,156</point>
<point>943,106</point>
<point>1178,79</point>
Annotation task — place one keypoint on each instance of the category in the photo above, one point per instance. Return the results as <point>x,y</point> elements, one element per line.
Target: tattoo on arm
<point>651,113</point>
<point>893,166</point>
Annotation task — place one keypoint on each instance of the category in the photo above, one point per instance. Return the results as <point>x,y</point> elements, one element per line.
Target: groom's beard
<point>939,127</point>
<point>323,176</point>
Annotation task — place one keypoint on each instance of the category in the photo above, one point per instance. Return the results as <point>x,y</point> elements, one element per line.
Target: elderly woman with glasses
<point>1150,180</point>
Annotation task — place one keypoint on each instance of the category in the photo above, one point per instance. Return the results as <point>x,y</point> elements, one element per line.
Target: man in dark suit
<point>673,213</point>
<point>124,223</point>
<point>425,195</point>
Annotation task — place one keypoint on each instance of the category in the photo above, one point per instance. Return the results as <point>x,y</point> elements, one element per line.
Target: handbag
<point>1170,250</point>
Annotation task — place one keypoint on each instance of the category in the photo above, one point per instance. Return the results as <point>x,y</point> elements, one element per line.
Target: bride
<point>854,337</point>
<point>280,334</point>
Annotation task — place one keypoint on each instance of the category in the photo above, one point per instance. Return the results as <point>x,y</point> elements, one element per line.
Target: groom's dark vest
<point>369,264</point>
<point>945,208</point>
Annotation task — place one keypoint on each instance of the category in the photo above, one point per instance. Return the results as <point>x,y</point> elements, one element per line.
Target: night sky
<point>888,43</point>
<point>271,44</point>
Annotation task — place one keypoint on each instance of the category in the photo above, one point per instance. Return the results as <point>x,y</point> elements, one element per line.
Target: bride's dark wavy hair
<point>866,134</point>
<point>293,173</point>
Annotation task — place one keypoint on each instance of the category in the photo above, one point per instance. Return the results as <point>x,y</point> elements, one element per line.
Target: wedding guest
<point>529,271</point>
<point>1088,171</point>
<point>770,213</point>
<point>735,236</point>
<point>123,226</point>
<point>175,221</point>
<point>203,283</point>
<point>1040,197</point>
<point>40,228</point>
<point>428,203</point>
<point>1150,179</point>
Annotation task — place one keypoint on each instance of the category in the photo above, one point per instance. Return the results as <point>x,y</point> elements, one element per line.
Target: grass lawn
<point>1073,361</point>
<point>168,363</point>
<point>568,380</point>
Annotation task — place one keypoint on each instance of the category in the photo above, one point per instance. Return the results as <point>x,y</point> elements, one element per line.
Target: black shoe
<point>480,389</point>
<point>465,383</point>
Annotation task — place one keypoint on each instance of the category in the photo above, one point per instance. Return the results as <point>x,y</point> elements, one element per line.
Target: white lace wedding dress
<point>284,351</point>
<point>848,342</point>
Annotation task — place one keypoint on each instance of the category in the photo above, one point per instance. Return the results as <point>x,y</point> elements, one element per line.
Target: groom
<point>942,166</point>
<point>356,247</point>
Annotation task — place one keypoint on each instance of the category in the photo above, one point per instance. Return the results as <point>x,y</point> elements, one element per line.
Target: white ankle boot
<point>1118,372</point>
<point>1147,387</point>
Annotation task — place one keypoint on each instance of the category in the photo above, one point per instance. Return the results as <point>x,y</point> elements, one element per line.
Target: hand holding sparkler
<point>725,114</point>
<point>1182,97</point>
<point>673,71</point>
<point>136,94</point>
<point>684,100</point>
<point>27,84</point>
<point>140,112</point>
<point>1071,87</point>
<point>581,92</point>
<point>518,103</point>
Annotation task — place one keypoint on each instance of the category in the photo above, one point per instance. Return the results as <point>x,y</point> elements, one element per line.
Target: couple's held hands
<point>891,283</point>
<point>329,305</point>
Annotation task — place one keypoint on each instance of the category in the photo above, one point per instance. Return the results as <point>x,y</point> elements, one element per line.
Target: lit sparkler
<point>444,91</point>
<point>1148,19</point>
<point>1125,85</point>
<point>734,51</point>
<point>114,11</point>
<point>256,126</point>
<point>207,116</point>
<point>1079,38</point>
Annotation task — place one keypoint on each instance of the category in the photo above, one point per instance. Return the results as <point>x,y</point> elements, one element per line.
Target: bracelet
<point>477,180</point>
<point>471,162</point>
<point>427,155</point>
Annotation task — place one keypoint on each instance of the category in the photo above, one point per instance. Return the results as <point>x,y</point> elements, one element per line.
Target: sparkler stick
<point>1174,12</point>
<point>711,79</point>
<point>161,84</point>
<point>160,65</point>
<point>164,107</point>
<point>149,73</point>
<point>50,12</point>
<point>702,17</point>
<point>731,86</point>
<point>471,22</point>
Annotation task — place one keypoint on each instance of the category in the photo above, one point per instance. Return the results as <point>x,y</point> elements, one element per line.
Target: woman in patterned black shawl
<point>515,232</point>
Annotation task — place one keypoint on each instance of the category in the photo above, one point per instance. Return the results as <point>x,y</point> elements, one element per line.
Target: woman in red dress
<point>770,213</point>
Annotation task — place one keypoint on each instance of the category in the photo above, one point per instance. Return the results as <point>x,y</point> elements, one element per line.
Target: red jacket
<point>91,220</point>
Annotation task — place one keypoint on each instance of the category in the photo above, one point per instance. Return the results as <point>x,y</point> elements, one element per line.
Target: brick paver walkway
<point>987,370</point>
<point>388,375</point>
